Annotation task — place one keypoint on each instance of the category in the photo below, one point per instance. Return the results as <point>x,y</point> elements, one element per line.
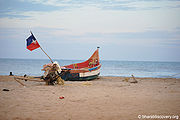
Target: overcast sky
<point>134,30</point>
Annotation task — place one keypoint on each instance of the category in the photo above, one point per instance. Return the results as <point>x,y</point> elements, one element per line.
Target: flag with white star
<point>32,43</point>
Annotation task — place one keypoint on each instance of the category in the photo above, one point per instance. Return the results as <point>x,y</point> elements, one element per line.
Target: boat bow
<point>87,70</point>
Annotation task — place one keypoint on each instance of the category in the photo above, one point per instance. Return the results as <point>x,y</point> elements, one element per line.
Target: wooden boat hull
<point>87,70</point>
<point>74,75</point>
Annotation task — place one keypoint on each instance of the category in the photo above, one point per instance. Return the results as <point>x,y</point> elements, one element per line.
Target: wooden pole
<point>46,54</point>
<point>19,82</point>
<point>133,77</point>
<point>29,79</point>
<point>135,81</point>
<point>43,50</point>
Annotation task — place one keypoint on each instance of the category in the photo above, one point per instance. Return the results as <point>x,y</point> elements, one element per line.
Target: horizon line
<point>86,59</point>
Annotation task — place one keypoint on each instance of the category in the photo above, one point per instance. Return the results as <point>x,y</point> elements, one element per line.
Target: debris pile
<point>52,74</point>
<point>131,79</point>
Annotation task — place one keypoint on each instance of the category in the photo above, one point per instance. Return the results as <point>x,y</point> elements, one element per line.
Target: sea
<point>32,67</point>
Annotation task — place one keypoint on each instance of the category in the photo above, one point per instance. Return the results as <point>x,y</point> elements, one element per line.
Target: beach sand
<point>106,98</point>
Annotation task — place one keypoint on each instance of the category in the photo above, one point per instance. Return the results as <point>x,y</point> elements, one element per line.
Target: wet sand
<point>106,98</point>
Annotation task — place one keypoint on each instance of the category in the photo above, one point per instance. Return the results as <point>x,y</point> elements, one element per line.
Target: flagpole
<point>46,54</point>
<point>43,50</point>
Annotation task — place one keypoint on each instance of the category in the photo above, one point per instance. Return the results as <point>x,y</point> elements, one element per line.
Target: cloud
<point>10,15</point>
<point>13,8</point>
<point>95,20</point>
<point>147,38</point>
<point>112,4</point>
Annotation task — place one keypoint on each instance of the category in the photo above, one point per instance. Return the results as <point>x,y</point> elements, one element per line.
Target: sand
<point>106,98</point>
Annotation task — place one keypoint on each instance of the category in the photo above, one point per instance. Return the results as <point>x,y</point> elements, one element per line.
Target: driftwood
<point>133,80</point>
<point>29,79</point>
<point>17,79</point>
<point>19,82</point>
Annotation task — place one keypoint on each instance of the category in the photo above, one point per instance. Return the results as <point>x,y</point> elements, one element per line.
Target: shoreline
<point>106,98</point>
<point>141,77</point>
<point>108,77</point>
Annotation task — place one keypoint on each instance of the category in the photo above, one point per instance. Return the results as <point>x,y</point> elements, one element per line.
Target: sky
<point>133,30</point>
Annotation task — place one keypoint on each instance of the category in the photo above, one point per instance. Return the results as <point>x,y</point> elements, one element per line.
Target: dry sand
<point>107,98</point>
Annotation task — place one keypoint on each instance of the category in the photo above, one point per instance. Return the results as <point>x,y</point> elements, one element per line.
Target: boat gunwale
<point>83,71</point>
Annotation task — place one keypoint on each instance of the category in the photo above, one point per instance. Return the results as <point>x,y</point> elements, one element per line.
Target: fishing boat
<point>87,70</point>
<point>54,73</point>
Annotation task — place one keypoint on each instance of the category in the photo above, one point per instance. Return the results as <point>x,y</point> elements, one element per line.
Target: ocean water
<point>109,68</point>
